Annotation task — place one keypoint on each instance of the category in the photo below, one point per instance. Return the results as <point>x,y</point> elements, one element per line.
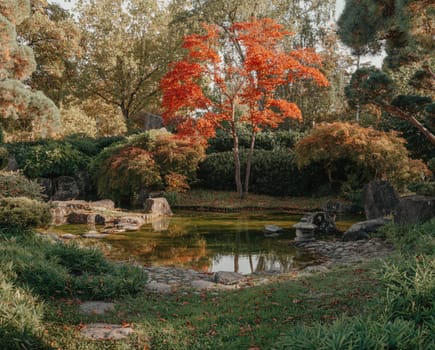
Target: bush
<point>143,163</point>
<point>53,160</point>
<point>373,154</point>
<point>23,212</point>
<point>3,157</point>
<point>14,184</point>
<point>272,172</point>
<point>423,188</point>
<point>267,140</point>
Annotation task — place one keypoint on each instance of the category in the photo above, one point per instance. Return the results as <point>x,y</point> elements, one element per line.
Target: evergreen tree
<point>20,108</point>
<point>404,29</point>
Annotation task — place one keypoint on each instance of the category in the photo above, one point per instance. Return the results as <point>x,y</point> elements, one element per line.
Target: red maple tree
<point>229,77</point>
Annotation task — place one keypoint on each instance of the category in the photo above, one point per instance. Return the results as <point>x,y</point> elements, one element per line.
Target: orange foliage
<point>209,85</point>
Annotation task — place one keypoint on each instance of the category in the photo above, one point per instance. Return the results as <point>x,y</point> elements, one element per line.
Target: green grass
<point>376,305</point>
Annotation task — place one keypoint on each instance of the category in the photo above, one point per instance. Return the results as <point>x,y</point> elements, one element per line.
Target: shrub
<point>374,154</point>
<point>23,212</point>
<point>14,184</point>
<point>125,173</point>
<point>426,188</point>
<point>272,172</point>
<point>53,160</point>
<point>267,140</point>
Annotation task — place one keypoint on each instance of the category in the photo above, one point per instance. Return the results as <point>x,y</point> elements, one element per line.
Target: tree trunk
<point>237,173</point>
<point>248,164</point>
<point>358,107</point>
<point>403,115</point>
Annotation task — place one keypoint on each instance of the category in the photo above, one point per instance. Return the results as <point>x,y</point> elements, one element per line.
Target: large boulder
<point>158,207</point>
<point>65,188</point>
<point>415,209</point>
<point>47,186</point>
<point>380,199</point>
<point>362,230</point>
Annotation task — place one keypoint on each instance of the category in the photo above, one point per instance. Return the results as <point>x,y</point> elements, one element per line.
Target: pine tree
<point>32,113</point>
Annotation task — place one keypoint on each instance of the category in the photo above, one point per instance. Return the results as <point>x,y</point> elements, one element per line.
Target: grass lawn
<point>245,319</point>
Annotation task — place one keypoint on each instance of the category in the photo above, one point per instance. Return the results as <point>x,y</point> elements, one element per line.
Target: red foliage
<point>209,85</point>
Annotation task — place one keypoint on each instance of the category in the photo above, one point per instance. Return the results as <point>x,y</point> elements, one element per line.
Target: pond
<point>211,242</point>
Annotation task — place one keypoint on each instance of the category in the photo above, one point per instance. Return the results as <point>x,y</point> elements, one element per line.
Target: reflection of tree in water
<point>271,262</point>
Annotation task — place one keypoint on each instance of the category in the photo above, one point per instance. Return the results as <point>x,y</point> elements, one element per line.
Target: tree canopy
<point>229,77</point>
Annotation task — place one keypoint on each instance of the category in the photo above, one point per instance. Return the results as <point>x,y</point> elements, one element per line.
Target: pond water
<point>211,242</point>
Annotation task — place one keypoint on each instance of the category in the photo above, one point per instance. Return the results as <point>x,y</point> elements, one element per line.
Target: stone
<point>157,287</point>
<point>68,236</point>
<point>100,220</point>
<point>47,186</point>
<point>94,235</point>
<point>65,188</point>
<point>12,164</point>
<point>415,209</point>
<point>105,331</point>
<point>202,285</point>
<point>96,307</point>
<point>224,277</point>
<point>362,230</point>
<point>103,204</point>
<point>84,183</point>
<point>304,231</point>
<point>380,199</point>
<point>76,218</point>
<point>158,206</point>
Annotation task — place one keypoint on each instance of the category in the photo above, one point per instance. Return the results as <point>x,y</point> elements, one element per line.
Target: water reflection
<point>211,242</point>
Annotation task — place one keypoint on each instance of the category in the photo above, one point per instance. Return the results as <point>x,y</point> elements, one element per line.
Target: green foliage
<point>14,184</point>
<point>55,270</point>
<point>20,315</point>
<point>266,140</point>
<point>272,172</point>
<point>52,160</point>
<point>426,188</point>
<point>410,289</point>
<point>358,333</point>
<point>23,212</point>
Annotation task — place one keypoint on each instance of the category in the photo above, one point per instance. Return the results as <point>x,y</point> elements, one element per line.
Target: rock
<point>362,230</point>
<point>415,209</point>
<point>272,228</point>
<point>96,307</point>
<point>304,231</point>
<point>94,235</point>
<point>68,236</point>
<point>202,285</point>
<point>105,331</point>
<point>318,268</point>
<point>47,186</point>
<point>380,199</point>
<point>161,288</point>
<point>225,277</point>
<point>76,218</point>
<point>158,206</point>
<point>65,188</point>
<point>84,183</point>
<point>100,220</point>
<point>12,164</point>
<point>104,204</point>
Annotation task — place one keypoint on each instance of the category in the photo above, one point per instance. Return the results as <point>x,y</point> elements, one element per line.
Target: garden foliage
<point>23,212</point>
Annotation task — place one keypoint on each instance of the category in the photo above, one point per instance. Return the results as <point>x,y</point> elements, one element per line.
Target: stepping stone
<point>202,285</point>
<point>105,331</point>
<point>158,287</point>
<point>94,235</point>
<point>68,236</point>
<point>96,307</point>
